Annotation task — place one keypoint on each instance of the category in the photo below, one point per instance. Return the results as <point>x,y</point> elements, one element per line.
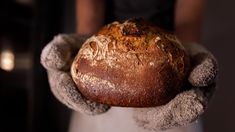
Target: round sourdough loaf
<point>132,64</point>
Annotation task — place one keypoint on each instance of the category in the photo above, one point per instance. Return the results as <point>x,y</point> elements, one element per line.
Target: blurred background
<point>26,26</point>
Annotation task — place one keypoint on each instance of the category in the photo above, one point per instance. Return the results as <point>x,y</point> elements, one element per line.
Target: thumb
<point>59,53</point>
<point>204,65</point>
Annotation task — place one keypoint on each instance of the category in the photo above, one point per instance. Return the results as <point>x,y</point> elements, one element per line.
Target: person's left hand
<point>188,105</point>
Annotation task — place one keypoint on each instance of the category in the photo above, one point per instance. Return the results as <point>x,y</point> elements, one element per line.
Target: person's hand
<point>188,105</point>
<point>57,57</point>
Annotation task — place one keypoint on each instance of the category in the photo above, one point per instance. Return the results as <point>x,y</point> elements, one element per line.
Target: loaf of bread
<point>131,64</point>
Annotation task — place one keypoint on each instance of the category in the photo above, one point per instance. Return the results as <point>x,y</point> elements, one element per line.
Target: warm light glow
<point>7,60</point>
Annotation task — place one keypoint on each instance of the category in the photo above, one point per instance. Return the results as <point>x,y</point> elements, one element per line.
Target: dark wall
<point>219,37</point>
<point>48,114</point>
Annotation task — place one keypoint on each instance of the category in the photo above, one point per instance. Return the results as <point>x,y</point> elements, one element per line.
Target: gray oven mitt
<point>57,57</point>
<point>188,105</point>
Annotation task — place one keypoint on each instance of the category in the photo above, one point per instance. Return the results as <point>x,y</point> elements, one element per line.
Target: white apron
<point>117,119</point>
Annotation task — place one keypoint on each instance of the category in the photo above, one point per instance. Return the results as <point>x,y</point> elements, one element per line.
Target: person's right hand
<point>57,57</point>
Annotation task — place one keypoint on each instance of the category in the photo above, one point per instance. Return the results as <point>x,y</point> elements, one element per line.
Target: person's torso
<point>160,12</point>
<point>117,119</point>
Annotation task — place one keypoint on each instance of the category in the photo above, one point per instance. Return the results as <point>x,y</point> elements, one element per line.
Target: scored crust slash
<point>132,64</point>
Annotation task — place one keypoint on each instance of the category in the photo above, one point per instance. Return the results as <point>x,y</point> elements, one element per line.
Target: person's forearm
<point>89,16</point>
<point>188,20</point>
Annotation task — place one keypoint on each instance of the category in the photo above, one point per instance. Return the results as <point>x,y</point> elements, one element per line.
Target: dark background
<point>218,36</point>
<point>26,103</point>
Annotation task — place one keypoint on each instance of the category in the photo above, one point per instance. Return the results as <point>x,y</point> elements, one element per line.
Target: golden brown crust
<point>130,64</point>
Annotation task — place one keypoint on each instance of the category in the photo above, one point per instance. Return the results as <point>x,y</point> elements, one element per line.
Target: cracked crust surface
<point>133,64</point>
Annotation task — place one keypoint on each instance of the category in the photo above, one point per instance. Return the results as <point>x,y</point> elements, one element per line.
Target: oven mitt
<point>56,58</point>
<point>188,105</point>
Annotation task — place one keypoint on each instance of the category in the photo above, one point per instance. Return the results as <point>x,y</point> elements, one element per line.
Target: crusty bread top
<point>132,38</point>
